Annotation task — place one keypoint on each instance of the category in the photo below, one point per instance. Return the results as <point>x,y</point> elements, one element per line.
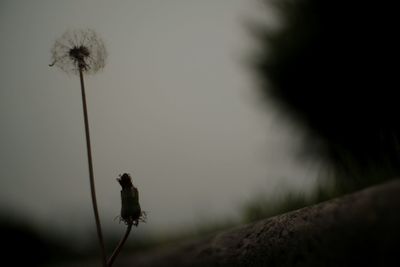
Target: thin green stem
<point>91,173</point>
<point>120,245</point>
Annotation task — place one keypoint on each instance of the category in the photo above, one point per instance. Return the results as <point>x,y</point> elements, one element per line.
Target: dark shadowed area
<point>331,70</point>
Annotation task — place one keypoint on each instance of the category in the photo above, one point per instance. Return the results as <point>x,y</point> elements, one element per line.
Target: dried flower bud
<point>131,212</point>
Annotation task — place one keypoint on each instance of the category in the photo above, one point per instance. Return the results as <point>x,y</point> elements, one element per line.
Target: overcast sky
<point>174,106</point>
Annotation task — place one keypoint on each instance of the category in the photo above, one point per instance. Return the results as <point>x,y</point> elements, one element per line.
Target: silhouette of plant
<point>131,213</point>
<point>79,52</point>
<point>83,52</point>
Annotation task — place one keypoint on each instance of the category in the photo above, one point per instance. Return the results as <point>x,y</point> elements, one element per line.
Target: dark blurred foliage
<point>263,206</point>
<point>24,245</point>
<point>332,69</point>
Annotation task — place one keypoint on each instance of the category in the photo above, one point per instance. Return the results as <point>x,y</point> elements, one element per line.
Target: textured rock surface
<point>361,229</point>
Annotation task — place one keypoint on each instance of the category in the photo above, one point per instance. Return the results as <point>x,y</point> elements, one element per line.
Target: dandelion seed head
<point>79,50</point>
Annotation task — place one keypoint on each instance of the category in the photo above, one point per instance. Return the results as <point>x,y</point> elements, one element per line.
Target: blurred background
<point>223,111</point>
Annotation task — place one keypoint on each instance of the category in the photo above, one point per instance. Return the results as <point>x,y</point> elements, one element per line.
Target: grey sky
<point>174,106</point>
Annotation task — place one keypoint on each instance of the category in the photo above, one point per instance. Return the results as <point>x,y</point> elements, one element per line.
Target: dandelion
<point>83,52</point>
<point>131,213</point>
<point>79,51</point>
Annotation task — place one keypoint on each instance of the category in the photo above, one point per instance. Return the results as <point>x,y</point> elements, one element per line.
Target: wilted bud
<point>131,212</point>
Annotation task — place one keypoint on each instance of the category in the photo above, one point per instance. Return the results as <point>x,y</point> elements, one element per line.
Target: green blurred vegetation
<point>263,206</point>
<point>329,70</point>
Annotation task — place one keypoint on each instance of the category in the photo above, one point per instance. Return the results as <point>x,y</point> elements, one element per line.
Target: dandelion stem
<point>91,173</point>
<point>119,246</point>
